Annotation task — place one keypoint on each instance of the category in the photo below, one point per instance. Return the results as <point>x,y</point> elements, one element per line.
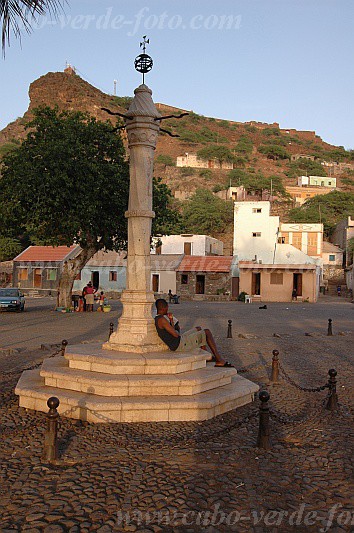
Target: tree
<point>215,151</point>
<point>167,217</point>
<point>69,183</point>
<point>205,213</point>
<point>328,208</point>
<point>306,167</point>
<point>257,183</point>
<point>18,14</point>
<point>165,160</point>
<point>273,151</point>
<point>9,248</point>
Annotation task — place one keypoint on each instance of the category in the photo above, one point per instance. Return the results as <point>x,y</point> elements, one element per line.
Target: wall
<point>174,244</point>
<point>246,222</point>
<point>32,266</point>
<point>105,284</point>
<point>280,293</point>
<point>167,280</point>
<point>215,282</point>
<point>305,229</point>
<point>191,160</point>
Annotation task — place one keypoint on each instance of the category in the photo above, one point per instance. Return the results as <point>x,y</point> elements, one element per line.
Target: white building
<point>255,231</point>
<point>316,181</point>
<point>192,160</point>
<point>237,194</point>
<point>187,244</point>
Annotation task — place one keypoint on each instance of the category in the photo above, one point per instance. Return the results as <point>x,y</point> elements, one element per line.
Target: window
<point>113,275</point>
<point>329,183</point>
<point>276,278</point>
<point>23,274</point>
<point>184,279</point>
<point>257,210</point>
<point>332,257</point>
<point>256,234</point>
<point>51,274</point>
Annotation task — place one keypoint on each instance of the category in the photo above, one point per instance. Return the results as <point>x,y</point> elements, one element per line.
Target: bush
<point>206,173</point>
<point>187,171</point>
<point>165,160</point>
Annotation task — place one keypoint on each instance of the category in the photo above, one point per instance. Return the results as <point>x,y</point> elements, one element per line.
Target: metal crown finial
<point>143,63</point>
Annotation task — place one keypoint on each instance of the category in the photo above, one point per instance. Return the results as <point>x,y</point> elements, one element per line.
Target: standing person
<point>101,301</point>
<point>90,298</point>
<point>294,294</point>
<point>339,289</point>
<point>190,340</point>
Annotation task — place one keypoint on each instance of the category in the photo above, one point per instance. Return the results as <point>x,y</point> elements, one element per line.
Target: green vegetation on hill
<point>328,208</point>
<point>305,167</point>
<point>204,213</point>
<point>215,151</point>
<point>256,183</point>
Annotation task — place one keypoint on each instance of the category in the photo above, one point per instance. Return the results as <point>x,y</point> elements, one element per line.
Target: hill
<point>246,140</point>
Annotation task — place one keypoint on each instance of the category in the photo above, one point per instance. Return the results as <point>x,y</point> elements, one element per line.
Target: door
<point>200,284</point>
<point>37,278</point>
<point>187,248</point>
<point>155,282</point>
<point>297,284</point>
<point>95,278</point>
<point>235,288</point>
<point>256,283</point>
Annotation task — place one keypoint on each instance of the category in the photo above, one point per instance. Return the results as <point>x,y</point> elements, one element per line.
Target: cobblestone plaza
<point>191,476</point>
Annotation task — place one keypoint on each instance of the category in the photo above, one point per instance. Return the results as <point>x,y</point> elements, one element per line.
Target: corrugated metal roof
<point>46,253</point>
<point>201,263</point>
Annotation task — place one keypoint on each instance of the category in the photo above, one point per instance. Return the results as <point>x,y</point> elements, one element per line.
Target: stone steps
<point>93,408</point>
<point>57,373</point>
<point>93,358</point>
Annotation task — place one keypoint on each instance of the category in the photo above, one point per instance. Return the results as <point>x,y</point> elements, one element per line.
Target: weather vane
<point>143,63</point>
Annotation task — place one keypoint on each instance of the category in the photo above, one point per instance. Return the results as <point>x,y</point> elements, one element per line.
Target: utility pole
<point>115,87</point>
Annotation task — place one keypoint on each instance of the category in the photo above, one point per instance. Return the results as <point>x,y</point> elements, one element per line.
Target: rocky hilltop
<point>69,91</point>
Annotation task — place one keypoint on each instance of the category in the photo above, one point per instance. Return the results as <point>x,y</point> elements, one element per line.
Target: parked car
<point>12,299</point>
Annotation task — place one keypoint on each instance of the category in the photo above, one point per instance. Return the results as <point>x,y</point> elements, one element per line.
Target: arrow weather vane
<point>143,63</point>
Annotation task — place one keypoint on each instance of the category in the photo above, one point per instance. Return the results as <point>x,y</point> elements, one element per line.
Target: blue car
<point>12,299</point>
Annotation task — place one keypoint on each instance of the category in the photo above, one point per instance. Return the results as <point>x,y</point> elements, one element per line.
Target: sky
<point>285,61</point>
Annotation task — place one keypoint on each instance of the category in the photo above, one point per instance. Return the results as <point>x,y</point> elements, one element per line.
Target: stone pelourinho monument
<point>134,377</point>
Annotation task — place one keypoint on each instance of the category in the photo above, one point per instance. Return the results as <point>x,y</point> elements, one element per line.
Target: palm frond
<point>18,15</point>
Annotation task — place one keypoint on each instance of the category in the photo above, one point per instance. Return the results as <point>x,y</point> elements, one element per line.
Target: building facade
<point>163,272</point>
<point>317,181</point>
<point>344,231</point>
<point>188,244</point>
<point>39,267</point>
<point>192,160</point>
<point>301,194</point>
<point>204,277</point>
<point>305,237</point>
<point>106,271</point>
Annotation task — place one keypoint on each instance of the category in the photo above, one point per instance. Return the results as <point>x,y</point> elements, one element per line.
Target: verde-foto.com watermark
<point>143,20</point>
<point>303,516</point>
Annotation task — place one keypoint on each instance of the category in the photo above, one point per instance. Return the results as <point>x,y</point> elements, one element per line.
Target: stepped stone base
<point>100,386</point>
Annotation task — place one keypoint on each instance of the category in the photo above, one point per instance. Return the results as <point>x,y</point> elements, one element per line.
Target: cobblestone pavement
<point>207,476</point>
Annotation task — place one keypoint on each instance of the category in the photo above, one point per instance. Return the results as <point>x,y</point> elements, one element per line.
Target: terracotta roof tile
<point>46,253</point>
<point>201,263</point>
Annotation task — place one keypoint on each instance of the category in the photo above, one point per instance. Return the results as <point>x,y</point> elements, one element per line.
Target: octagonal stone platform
<point>102,386</point>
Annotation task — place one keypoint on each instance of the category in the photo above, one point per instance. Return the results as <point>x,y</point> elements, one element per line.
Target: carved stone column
<point>136,329</point>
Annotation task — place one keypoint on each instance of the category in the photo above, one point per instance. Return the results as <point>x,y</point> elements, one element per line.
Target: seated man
<point>194,338</point>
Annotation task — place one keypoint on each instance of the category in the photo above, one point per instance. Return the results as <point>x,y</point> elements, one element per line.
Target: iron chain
<point>299,387</point>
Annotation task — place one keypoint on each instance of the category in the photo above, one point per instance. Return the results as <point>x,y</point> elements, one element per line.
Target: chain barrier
<point>299,387</point>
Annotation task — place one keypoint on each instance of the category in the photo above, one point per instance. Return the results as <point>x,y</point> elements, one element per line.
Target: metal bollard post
<point>263,432</point>
<point>111,329</point>
<point>50,451</point>
<point>274,377</point>
<point>229,329</point>
<point>329,330</point>
<point>332,402</point>
<point>64,344</point>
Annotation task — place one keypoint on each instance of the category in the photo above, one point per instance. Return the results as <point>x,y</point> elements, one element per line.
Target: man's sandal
<point>225,365</point>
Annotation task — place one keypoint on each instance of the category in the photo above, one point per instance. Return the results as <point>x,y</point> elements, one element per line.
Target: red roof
<point>202,263</point>
<point>46,253</point>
